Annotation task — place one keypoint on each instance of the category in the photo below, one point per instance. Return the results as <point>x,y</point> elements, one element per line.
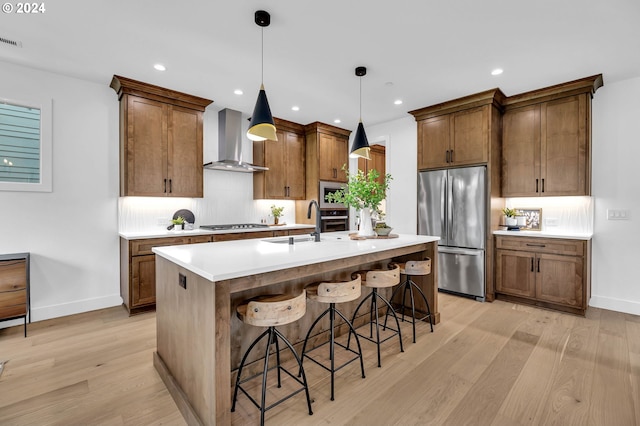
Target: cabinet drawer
<point>13,275</point>
<point>141,247</point>
<point>543,245</point>
<point>13,311</point>
<point>242,236</point>
<point>200,239</point>
<point>12,298</point>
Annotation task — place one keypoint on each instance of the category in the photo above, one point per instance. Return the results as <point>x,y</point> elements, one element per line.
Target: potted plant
<point>364,193</point>
<point>510,215</point>
<point>382,229</point>
<point>178,223</point>
<point>276,212</point>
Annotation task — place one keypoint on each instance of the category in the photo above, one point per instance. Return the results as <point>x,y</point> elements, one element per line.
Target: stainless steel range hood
<point>230,145</point>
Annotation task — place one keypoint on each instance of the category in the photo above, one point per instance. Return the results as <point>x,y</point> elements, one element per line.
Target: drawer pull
<point>535,245</point>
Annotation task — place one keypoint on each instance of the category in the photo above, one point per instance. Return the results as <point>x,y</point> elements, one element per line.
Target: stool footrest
<point>356,357</point>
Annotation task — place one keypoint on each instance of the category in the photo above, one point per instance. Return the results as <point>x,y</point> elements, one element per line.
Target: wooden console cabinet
<point>160,140</point>
<point>548,272</point>
<point>14,288</point>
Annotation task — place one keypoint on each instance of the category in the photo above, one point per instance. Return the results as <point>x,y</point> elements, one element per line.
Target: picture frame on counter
<point>533,216</point>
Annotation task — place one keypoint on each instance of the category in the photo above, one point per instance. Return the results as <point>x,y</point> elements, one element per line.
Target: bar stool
<point>376,279</point>
<point>412,268</point>
<point>270,311</point>
<point>333,292</point>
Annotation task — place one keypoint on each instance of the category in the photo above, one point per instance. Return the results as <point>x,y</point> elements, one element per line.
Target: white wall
<point>616,151</point>
<point>71,232</point>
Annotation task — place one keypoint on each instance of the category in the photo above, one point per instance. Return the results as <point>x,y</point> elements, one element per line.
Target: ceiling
<point>420,51</point>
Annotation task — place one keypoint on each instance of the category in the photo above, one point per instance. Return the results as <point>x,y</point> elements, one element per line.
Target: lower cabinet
<point>547,272</point>
<point>138,263</point>
<point>14,287</point>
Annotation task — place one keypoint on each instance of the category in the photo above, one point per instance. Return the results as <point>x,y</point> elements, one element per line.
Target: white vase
<point>366,228</point>
<point>511,221</point>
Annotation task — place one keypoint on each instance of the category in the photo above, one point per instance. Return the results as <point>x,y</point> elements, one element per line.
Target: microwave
<point>327,188</point>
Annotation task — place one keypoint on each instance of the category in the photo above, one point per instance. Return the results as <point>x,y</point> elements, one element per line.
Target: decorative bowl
<point>383,232</point>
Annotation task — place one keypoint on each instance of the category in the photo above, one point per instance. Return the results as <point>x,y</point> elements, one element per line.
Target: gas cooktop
<point>234,226</point>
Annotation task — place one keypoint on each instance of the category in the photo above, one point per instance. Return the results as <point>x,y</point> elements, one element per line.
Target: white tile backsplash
<point>560,214</point>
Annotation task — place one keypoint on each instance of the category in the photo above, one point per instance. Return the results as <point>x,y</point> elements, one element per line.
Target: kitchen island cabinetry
<point>548,272</point>
<point>199,338</point>
<point>160,140</point>
<point>459,132</point>
<point>285,179</point>
<point>546,146</point>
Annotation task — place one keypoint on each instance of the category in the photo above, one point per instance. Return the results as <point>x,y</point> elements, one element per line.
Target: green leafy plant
<point>509,212</point>
<point>276,211</point>
<point>361,190</point>
<point>178,221</point>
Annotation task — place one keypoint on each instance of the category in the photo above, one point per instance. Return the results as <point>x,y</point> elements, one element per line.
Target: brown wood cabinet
<point>547,272</point>
<point>138,263</point>
<point>377,162</point>
<point>14,288</point>
<point>459,132</point>
<point>160,140</point>
<point>285,179</point>
<point>546,144</point>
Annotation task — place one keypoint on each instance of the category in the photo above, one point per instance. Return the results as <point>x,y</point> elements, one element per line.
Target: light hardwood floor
<point>485,364</point>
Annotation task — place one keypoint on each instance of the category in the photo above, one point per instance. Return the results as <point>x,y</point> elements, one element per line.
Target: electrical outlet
<point>551,221</point>
<point>182,281</point>
<point>618,214</point>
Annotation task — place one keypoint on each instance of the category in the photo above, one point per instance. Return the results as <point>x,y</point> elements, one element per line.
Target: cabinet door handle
<point>543,185</point>
<point>532,264</point>
<point>451,156</point>
<point>170,189</point>
<point>536,185</point>
<point>535,245</point>
<point>165,186</point>
<point>538,264</point>
<point>447,156</point>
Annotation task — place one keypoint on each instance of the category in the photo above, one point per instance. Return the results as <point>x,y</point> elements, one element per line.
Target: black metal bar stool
<point>413,268</point>
<point>333,292</point>
<point>270,311</point>
<point>376,279</point>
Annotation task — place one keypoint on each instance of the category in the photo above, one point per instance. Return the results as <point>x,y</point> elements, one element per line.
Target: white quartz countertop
<point>546,234</point>
<point>164,233</point>
<point>233,259</point>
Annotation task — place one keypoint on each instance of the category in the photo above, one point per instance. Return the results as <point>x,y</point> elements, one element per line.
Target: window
<point>25,145</point>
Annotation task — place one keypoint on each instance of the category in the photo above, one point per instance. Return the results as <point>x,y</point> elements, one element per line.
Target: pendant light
<point>360,147</point>
<point>262,126</point>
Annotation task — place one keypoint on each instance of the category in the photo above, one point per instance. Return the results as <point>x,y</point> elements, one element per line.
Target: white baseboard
<point>42,313</point>
<point>613,304</point>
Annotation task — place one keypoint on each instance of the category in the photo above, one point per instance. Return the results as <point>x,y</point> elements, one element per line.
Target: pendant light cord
<point>360,98</point>
<point>262,58</point>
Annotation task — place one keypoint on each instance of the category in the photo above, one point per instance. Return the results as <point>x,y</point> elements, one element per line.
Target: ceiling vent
<point>11,42</point>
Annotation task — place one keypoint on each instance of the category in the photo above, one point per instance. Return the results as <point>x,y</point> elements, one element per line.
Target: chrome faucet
<point>316,233</point>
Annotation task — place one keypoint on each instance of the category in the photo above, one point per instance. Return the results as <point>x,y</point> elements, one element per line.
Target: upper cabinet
<point>377,162</point>
<point>459,132</point>
<point>160,140</point>
<point>285,179</point>
<point>330,146</point>
<point>546,142</point>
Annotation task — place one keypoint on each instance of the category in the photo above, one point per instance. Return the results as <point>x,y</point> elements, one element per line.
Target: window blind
<point>19,144</point>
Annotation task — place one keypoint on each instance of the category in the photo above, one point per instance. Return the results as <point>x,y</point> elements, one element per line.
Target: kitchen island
<point>199,338</point>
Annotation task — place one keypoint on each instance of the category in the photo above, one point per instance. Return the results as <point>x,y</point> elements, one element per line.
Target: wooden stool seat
<point>333,292</point>
<point>270,311</point>
<point>413,268</point>
<point>375,279</point>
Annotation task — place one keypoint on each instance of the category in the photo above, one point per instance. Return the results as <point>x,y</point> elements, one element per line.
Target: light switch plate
<point>618,214</point>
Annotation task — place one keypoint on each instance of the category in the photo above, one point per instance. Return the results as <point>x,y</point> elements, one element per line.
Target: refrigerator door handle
<point>443,200</point>
<point>450,229</point>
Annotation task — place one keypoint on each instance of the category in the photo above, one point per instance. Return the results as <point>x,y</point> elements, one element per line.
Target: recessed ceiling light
<point>160,67</point>
<point>496,71</point>
<point>238,92</point>
<point>337,120</point>
<point>295,108</point>
<point>397,102</point>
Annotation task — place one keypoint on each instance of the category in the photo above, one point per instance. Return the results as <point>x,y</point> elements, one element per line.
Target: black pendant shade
<point>360,147</point>
<point>262,126</point>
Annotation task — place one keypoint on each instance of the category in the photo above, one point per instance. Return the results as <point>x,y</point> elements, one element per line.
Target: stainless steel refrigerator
<point>452,205</point>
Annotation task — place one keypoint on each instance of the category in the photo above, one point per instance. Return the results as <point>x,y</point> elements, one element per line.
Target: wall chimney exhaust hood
<point>230,145</point>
